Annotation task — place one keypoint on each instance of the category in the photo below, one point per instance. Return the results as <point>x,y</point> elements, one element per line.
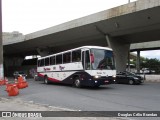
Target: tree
<point>152,64</point>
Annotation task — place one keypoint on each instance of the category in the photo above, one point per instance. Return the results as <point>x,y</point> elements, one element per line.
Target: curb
<point>22,103</point>
<point>33,104</point>
<point>156,81</point>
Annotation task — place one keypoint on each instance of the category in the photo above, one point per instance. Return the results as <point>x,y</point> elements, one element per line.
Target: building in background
<point>10,35</point>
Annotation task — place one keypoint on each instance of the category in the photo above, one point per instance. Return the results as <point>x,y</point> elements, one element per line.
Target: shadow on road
<point>83,87</point>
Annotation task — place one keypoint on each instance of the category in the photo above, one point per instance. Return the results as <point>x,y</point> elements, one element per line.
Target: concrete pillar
<point>120,52</point>
<point>138,61</point>
<point>1,45</point>
<point>129,62</point>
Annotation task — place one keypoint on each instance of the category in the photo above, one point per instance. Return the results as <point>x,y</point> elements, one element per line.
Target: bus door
<point>86,60</point>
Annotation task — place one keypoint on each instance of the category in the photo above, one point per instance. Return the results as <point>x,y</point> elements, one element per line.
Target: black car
<point>16,74</point>
<point>129,78</point>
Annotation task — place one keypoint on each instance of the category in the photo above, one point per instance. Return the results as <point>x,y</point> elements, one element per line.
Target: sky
<point>27,16</point>
<point>151,54</point>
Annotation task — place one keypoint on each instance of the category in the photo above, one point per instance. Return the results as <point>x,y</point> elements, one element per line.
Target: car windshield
<point>20,72</point>
<point>129,73</point>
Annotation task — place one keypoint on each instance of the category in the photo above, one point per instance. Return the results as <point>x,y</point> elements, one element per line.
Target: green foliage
<point>152,64</point>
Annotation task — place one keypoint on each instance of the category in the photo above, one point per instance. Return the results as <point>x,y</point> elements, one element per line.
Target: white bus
<point>83,66</point>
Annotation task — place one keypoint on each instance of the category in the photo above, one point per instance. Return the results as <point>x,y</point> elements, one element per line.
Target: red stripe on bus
<point>51,79</point>
<point>40,75</point>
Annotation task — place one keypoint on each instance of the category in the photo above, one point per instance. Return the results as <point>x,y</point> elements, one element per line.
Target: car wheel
<point>46,80</point>
<point>77,82</point>
<point>142,81</point>
<point>131,82</point>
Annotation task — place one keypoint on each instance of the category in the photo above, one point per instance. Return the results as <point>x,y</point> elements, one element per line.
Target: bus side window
<point>76,56</point>
<point>46,61</point>
<point>67,57</point>
<point>59,59</point>
<point>41,62</point>
<point>52,60</point>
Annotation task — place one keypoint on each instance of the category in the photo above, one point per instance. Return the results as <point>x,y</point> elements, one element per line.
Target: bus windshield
<point>103,59</point>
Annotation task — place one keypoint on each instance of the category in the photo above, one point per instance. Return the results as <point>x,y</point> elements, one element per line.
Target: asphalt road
<point>115,97</point>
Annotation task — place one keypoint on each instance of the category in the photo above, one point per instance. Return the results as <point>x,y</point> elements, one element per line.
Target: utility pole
<point>1,44</point>
<point>129,1</point>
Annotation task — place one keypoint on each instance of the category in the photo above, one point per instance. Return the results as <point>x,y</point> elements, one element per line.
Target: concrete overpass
<point>154,45</point>
<point>118,27</point>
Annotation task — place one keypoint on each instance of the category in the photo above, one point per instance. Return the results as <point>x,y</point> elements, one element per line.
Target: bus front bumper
<point>97,82</point>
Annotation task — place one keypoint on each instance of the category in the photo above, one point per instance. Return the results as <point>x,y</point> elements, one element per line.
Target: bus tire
<point>77,82</point>
<point>46,80</point>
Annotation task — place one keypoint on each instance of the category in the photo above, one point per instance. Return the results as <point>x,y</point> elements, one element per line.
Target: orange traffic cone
<point>12,89</point>
<point>20,79</point>
<point>8,87</point>
<point>21,83</point>
<point>3,81</point>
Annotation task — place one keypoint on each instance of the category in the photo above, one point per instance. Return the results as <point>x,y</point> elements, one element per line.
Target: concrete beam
<point>146,4</point>
<point>145,46</point>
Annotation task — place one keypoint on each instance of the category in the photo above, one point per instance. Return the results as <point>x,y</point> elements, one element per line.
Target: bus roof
<point>83,47</point>
<point>97,47</point>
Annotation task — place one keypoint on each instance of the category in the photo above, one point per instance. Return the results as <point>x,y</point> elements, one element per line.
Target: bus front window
<point>103,59</point>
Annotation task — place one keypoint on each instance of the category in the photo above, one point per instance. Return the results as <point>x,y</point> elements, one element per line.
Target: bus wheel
<point>46,80</point>
<point>77,82</point>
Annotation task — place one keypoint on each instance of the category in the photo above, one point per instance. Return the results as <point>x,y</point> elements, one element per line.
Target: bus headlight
<point>114,76</point>
<point>97,76</point>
